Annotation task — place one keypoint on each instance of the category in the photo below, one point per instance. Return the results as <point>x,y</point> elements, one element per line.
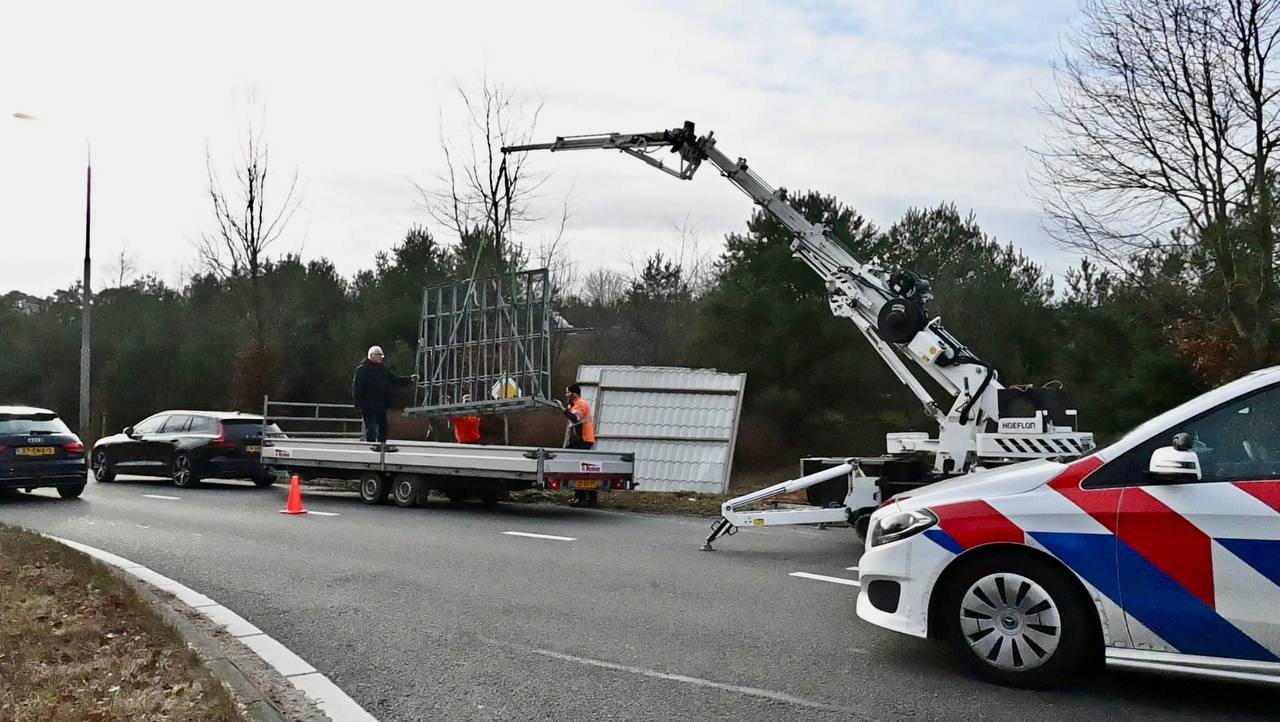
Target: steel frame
<point>481,332</point>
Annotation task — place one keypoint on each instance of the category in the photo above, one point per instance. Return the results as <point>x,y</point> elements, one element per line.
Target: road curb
<point>231,648</point>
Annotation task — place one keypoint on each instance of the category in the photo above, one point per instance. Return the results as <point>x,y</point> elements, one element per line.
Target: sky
<point>885,105</point>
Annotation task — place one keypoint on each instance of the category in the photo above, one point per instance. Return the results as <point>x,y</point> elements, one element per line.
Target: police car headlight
<point>892,527</point>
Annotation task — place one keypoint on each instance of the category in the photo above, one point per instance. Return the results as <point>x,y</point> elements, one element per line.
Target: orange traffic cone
<point>295,498</point>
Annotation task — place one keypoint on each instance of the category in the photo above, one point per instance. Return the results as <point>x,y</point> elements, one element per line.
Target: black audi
<point>37,450</point>
<point>187,446</point>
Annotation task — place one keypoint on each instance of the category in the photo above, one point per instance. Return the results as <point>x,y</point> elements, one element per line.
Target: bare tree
<point>1162,131</point>
<point>249,219</point>
<point>124,267</point>
<point>480,189</point>
<point>603,287</point>
<point>552,254</point>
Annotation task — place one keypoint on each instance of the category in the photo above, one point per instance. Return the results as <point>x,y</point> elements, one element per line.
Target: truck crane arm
<point>890,311</point>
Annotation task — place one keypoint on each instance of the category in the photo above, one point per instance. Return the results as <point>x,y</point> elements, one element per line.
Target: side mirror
<point>128,431</point>
<point>1175,464</point>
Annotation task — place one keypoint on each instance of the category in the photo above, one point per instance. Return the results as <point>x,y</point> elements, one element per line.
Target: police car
<point>1160,551</point>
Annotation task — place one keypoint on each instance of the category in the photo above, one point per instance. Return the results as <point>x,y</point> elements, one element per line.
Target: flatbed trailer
<point>408,470</point>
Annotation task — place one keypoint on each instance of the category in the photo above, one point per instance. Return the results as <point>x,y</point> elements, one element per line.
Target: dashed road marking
<point>852,569</point>
<point>162,496</point>
<point>313,512</point>
<point>540,536</point>
<point>699,682</point>
<point>824,578</point>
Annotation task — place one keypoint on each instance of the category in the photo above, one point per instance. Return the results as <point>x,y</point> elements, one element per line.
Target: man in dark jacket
<point>371,392</point>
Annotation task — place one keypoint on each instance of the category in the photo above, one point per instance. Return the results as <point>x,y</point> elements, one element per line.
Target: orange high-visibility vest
<point>586,427</point>
<point>466,429</point>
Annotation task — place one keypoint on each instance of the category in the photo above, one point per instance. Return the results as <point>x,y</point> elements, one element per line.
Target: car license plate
<point>34,451</point>
<point>253,449</point>
<point>585,484</point>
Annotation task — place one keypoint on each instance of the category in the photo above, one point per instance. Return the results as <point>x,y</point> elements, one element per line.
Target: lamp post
<point>87,293</point>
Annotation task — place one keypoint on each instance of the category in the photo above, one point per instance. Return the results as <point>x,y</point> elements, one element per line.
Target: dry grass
<point>77,644</point>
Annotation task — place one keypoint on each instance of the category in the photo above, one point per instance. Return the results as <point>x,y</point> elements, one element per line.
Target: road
<point>439,613</point>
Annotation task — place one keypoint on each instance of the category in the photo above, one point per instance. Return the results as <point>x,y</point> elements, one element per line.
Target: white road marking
<point>324,513</point>
<point>824,578</point>
<point>541,536</point>
<point>852,569</point>
<point>162,496</point>
<point>753,691</point>
<point>319,688</point>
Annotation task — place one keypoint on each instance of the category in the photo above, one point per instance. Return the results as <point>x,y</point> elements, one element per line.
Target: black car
<point>187,446</point>
<point>38,450</point>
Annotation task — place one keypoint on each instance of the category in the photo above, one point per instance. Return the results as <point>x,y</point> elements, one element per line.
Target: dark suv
<point>187,446</point>
<point>38,450</point>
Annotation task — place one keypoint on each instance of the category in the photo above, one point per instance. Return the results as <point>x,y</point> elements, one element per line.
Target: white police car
<point>1160,551</point>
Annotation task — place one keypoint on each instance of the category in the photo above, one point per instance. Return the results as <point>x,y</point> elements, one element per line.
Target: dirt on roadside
<point>77,644</point>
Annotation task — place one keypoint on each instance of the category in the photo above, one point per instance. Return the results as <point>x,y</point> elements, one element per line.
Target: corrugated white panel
<point>680,423</point>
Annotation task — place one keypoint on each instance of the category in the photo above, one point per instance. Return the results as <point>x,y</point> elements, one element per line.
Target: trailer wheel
<point>489,498</point>
<point>374,488</point>
<point>407,490</point>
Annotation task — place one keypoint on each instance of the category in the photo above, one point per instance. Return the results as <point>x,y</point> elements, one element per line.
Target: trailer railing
<point>310,420</point>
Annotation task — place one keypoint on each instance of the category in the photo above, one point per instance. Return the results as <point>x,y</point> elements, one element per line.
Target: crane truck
<point>983,424</point>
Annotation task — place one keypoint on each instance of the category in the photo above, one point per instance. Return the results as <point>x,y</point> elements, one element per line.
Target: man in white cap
<point>371,391</point>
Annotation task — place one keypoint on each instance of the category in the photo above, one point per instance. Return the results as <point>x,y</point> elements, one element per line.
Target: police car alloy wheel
<point>1010,621</point>
<point>1019,620</point>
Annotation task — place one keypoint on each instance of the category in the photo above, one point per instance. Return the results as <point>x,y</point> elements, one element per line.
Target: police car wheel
<point>374,488</point>
<point>1020,621</point>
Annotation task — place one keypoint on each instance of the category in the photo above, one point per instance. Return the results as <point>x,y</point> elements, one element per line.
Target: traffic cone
<point>295,498</point>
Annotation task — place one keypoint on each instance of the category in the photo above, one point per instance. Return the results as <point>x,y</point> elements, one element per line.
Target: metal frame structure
<point>480,333</point>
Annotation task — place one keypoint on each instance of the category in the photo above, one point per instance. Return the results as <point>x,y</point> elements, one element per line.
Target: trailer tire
<point>408,490</point>
<point>489,498</point>
<point>374,488</point>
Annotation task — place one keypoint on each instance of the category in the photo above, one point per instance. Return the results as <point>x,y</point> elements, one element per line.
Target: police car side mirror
<point>1174,465</point>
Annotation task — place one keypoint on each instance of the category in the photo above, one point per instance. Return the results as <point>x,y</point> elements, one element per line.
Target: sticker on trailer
<point>282,453</point>
<point>588,466</point>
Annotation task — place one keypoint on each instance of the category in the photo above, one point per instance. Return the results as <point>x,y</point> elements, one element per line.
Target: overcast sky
<point>884,104</point>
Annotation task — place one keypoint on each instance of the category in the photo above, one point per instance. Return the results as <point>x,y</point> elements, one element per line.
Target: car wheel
<point>406,490</point>
<point>374,488</point>
<point>264,478</point>
<point>183,472</point>
<point>102,470</point>
<point>71,492</point>
<point>1020,621</point>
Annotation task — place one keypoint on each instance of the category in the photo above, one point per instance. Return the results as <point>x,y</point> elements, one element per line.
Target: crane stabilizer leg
<point>731,518</point>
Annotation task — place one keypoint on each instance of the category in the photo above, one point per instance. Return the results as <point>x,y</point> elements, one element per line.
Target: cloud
<point>885,105</point>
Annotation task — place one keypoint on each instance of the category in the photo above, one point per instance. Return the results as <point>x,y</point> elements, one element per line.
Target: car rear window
<point>32,424</point>
<point>244,428</point>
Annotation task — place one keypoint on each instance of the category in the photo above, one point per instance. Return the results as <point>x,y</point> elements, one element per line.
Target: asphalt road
<point>436,613</point>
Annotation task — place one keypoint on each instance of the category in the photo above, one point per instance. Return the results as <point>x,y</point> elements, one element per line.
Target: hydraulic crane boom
<point>890,312</point>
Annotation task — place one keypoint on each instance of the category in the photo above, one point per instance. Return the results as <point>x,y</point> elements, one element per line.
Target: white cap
<point>375,351</point>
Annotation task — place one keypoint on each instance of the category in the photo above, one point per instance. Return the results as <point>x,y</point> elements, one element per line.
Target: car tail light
<point>74,447</point>
<point>553,484</point>
<point>3,448</point>
<point>617,484</point>
<point>221,442</point>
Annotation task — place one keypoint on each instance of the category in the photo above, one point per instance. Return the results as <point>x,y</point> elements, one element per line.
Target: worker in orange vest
<point>466,429</point>
<point>582,434</point>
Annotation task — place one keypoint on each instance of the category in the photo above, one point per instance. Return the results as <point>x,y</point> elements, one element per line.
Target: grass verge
<point>77,644</point>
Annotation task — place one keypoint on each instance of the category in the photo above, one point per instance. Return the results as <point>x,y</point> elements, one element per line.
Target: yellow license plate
<point>253,449</point>
<point>586,485</point>
<point>34,451</point>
